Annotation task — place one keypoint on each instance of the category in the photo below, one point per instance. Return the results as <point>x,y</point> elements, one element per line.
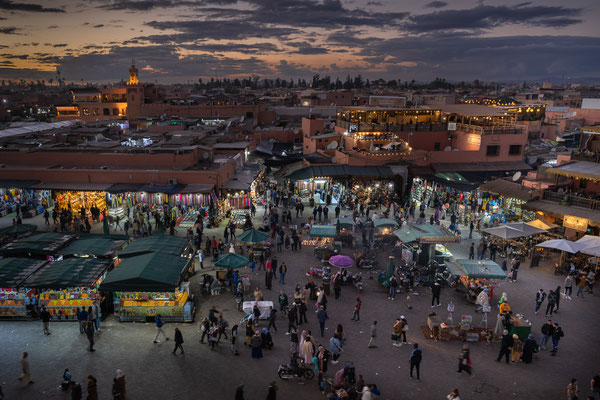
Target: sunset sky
<point>177,41</point>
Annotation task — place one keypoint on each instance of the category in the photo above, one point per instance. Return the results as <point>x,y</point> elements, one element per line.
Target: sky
<point>184,40</point>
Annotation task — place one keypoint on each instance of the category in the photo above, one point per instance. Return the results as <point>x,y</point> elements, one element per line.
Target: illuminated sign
<point>578,224</point>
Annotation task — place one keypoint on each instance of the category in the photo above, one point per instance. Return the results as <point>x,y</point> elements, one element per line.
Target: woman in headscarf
<point>235,343</point>
<point>256,343</point>
<point>529,348</point>
<point>302,340</point>
<point>307,349</point>
<point>121,379</point>
<point>517,348</point>
<point>249,331</point>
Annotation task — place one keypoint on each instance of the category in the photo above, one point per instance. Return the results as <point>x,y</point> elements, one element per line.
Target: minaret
<point>133,74</point>
<point>135,95</point>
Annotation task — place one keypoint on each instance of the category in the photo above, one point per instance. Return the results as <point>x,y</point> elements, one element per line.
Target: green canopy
<point>485,269</point>
<point>18,229</point>
<point>230,260</point>
<point>39,244</point>
<point>48,237</point>
<point>385,223</point>
<point>172,245</point>
<point>98,246</point>
<point>327,231</point>
<point>73,272</point>
<point>151,272</point>
<point>426,234</point>
<point>253,236</point>
<point>13,271</point>
<point>344,222</point>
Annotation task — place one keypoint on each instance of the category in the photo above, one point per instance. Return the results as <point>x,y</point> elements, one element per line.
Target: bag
<point>395,336</point>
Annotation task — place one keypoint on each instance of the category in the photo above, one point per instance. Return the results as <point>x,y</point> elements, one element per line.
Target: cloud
<point>15,56</point>
<point>190,31</point>
<point>53,27</point>
<point>306,48</point>
<point>436,4</point>
<point>9,30</point>
<point>98,26</point>
<point>487,17</point>
<point>60,45</point>
<point>10,5</point>
<point>254,48</point>
<point>6,62</point>
<point>143,5</point>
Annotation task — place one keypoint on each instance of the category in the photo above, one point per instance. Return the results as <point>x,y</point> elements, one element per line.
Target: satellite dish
<point>516,176</point>
<point>205,155</point>
<point>334,160</point>
<point>448,148</point>
<point>333,145</point>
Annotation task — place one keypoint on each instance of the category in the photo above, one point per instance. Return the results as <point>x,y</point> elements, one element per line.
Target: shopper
<point>235,346</point>
<point>404,329</point>
<point>178,341</point>
<point>373,335</point>
<point>397,330</point>
<point>159,324</point>
<point>122,383</point>
<point>25,370</point>
<point>505,346</point>
<point>436,289</point>
<point>45,317</point>
<point>464,360</point>
<point>272,318</point>
<point>92,388</point>
<point>547,332</point>
<point>573,390</point>
<point>335,347</point>
<point>356,315</point>
<point>393,287</point>
<point>556,336</point>
<point>551,302</point>
<point>539,299</point>
<point>415,361</point>
<point>322,317</point>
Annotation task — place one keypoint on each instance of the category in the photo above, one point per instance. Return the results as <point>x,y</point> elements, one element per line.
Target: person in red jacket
<point>356,316</point>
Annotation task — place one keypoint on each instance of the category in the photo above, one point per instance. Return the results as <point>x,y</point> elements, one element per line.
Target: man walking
<point>393,287</point>
<point>556,335</point>
<point>26,371</point>
<point>551,302</point>
<point>506,346</point>
<point>178,341</point>
<point>515,269</point>
<point>282,272</point>
<point>89,332</point>
<point>415,361</point>
<point>539,299</point>
<point>322,317</point>
<point>159,324</point>
<point>272,319</point>
<point>45,317</point>
<point>472,251</point>
<point>435,291</point>
<point>547,331</point>
<point>373,335</point>
<point>356,315</point>
<point>471,226</point>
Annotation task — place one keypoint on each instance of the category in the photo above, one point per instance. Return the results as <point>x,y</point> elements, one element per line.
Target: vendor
<point>483,301</point>
<point>505,308</point>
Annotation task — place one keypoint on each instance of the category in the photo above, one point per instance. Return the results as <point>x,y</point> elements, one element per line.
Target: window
<point>86,111</point>
<point>493,150</point>
<point>514,149</point>
<point>115,111</point>
<point>436,146</point>
<point>106,111</point>
<point>96,111</point>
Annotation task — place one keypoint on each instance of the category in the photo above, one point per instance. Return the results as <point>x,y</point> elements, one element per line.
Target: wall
<point>155,109</point>
<point>312,126</point>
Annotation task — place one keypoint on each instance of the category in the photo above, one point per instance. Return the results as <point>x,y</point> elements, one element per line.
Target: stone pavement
<point>153,373</point>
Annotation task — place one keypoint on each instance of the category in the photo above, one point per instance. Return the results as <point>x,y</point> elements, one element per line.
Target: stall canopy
<point>426,234</point>
<point>509,189</point>
<point>561,244</point>
<point>345,222</point>
<point>483,269</point>
<point>18,229</point>
<point>578,169</point>
<point>152,272</point>
<point>339,170</point>
<point>99,247</point>
<point>14,271</point>
<point>172,245</point>
<point>159,188</point>
<point>253,236</point>
<point>385,223</point>
<point>40,244</point>
<point>538,223</point>
<point>589,245</point>
<point>231,261</point>
<point>514,230</point>
<point>73,272</point>
<point>327,231</point>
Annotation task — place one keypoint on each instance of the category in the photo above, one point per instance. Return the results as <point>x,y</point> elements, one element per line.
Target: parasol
<point>232,261</point>
<point>561,244</point>
<point>253,236</point>
<point>341,261</point>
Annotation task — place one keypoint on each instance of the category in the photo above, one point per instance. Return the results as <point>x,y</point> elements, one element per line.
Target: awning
<point>159,188</point>
<point>483,167</point>
<point>560,211</point>
<point>76,186</point>
<point>452,179</point>
<point>42,244</point>
<point>17,184</point>
<point>483,269</point>
<point>578,169</point>
<point>508,189</point>
<point>327,231</point>
<point>70,273</point>
<point>99,247</point>
<point>197,188</point>
<point>152,272</point>
<point>340,170</point>
<point>239,182</point>
<point>124,187</point>
<point>172,245</point>
<point>426,234</point>
<point>13,271</point>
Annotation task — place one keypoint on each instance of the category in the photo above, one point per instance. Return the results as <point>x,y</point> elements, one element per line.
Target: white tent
<point>561,244</point>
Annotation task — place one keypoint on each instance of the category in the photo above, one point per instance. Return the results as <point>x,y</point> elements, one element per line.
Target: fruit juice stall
<point>14,298</point>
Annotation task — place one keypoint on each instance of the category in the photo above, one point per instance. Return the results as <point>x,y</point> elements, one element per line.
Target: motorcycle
<point>302,371</point>
<point>357,282</point>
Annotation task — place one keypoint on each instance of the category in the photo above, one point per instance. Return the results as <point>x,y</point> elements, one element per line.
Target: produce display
<point>139,305</point>
<point>12,304</point>
<point>63,304</point>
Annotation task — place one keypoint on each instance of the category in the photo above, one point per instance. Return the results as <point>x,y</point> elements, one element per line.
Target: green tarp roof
<point>17,229</point>
<point>345,222</point>
<point>426,233</point>
<point>99,246</point>
<point>159,243</point>
<point>72,272</point>
<point>485,269</point>
<point>339,170</point>
<point>48,237</point>
<point>152,272</point>
<point>13,271</point>
<point>327,231</point>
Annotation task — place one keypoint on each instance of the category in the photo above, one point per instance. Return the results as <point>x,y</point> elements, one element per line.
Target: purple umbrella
<point>341,261</point>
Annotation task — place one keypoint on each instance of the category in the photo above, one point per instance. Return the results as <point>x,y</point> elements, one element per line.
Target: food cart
<point>66,285</point>
<point>322,239</point>
<point>476,275</point>
<point>150,284</point>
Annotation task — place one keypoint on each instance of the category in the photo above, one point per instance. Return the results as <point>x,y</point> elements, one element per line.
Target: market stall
<point>97,246</point>
<point>149,284</point>
<point>420,240</point>
<point>385,230</point>
<point>476,275</point>
<point>14,298</point>
<point>64,286</point>
<point>165,244</point>
<point>41,245</point>
<point>322,239</point>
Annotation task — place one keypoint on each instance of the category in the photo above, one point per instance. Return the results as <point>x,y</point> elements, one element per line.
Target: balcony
<point>492,130</point>
<point>365,127</point>
<point>586,156</point>
<point>571,200</point>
